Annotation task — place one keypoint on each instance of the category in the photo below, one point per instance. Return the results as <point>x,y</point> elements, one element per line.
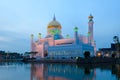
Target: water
<point>40,71</point>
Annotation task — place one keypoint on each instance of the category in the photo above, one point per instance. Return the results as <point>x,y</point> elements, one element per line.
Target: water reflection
<point>116,71</point>
<point>37,71</point>
<point>14,71</point>
<point>61,72</point>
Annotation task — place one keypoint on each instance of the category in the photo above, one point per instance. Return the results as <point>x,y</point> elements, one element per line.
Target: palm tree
<point>117,44</point>
<point>116,39</point>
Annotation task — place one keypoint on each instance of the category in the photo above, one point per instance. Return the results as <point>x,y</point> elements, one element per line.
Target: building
<point>107,52</point>
<point>54,45</point>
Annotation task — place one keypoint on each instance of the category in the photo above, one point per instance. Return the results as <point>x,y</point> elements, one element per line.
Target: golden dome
<point>54,24</point>
<point>90,17</point>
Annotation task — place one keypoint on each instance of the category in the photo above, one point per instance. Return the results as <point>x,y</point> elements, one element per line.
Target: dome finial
<point>90,16</point>
<point>54,18</point>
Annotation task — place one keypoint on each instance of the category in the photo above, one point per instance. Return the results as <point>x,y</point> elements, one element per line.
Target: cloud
<point>5,39</point>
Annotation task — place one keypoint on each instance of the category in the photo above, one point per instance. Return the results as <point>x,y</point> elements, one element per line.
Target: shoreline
<point>94,60</point>
<point>78,61</point>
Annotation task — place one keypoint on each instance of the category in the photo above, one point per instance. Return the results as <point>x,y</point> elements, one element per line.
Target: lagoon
<point>58,71</point>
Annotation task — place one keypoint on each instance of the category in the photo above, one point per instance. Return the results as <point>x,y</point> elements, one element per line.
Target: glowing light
<point>76,29</point>
<point>89,33</point>
<point>57,31</point>
<point>54,31</point>
<point>99,54</point>
<point>107,55</point>
<point>67,36</point>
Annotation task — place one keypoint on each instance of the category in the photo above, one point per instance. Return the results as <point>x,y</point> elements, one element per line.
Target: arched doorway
<point>86,54</point>
<point>45,53</point>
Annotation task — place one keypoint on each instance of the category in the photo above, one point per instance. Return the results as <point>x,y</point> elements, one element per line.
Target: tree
<point>117,43</point>
<point>116,39</point>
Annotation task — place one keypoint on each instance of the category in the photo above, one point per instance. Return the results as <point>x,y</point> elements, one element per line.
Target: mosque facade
<point>54,45</point>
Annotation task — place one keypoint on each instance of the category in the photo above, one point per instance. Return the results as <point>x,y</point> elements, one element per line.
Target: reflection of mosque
<point>38,72</point>
<point>61,72</point>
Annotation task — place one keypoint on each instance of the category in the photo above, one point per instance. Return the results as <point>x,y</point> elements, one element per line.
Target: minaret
<point>32,42</point>
<point>90,30</point>
<point>76,35</point>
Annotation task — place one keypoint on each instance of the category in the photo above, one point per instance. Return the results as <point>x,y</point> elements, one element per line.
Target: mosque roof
<point>56,36</point>
<point>54,24</point>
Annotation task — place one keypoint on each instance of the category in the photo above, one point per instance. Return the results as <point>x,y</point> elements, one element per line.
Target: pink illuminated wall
<point>64,41</point>
<point>83,38</point>
<point>39,49</point>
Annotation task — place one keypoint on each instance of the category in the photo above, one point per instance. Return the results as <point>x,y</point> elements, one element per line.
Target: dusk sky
<point>20,18</point>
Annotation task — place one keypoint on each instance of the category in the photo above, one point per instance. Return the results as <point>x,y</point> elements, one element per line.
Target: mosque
<point>54,45</point>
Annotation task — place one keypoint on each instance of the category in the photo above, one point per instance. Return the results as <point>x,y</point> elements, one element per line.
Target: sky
<point>21,18</point>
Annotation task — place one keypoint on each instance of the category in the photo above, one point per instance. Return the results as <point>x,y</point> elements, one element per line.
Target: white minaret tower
<point>90,30</point>
<point>76,35</point>
<point>32,42</point>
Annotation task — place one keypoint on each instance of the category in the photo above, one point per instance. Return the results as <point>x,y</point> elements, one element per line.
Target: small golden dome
<point>54,24</point>
<point>90,17</point>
